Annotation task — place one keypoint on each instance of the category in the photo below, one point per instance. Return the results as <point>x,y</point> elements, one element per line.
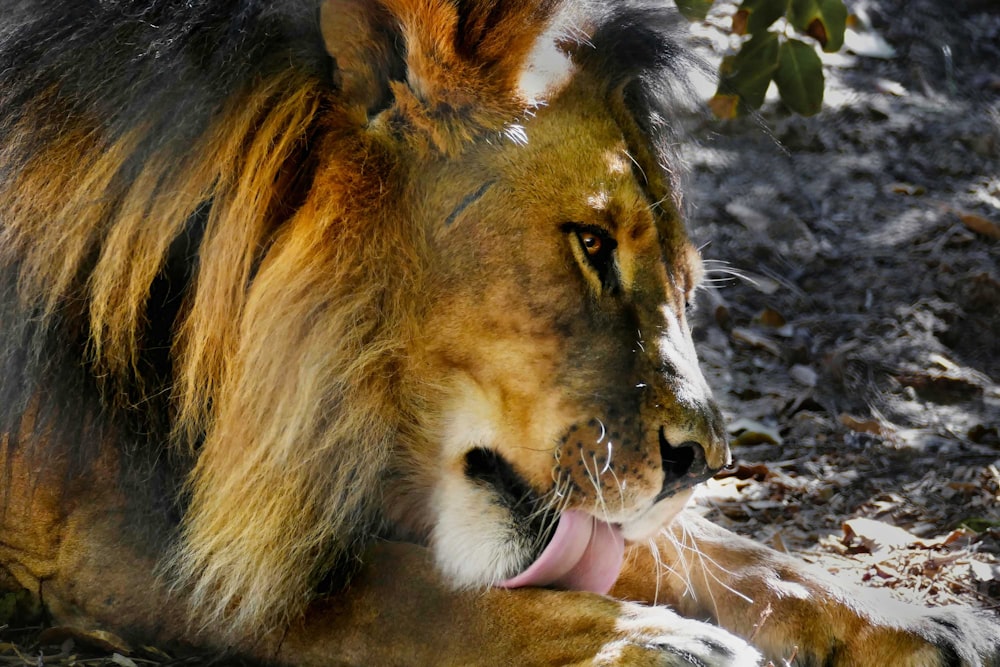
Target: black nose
<point>683,466</point>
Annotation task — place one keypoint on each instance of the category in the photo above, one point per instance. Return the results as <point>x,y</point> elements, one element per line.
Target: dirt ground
<point>851,323</point>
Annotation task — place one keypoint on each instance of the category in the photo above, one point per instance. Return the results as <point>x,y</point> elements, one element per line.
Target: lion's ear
<point>452,68</point>
<point>362,38</point>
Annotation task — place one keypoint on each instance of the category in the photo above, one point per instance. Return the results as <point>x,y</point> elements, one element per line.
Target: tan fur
<point>348,341</point>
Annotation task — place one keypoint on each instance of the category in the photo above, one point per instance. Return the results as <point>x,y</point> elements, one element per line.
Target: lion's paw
<point>655,636</point>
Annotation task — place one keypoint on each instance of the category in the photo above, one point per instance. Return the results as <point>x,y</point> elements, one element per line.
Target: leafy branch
<point>775,51</point>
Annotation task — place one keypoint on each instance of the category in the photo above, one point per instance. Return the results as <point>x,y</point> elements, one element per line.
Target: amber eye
<point>592,243</point>
<point>598,248</point>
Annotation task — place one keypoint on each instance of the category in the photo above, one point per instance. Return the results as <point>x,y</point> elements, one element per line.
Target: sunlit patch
<point>660,636</point>
<point>678,349</point>
<point>598,201</point>
<point>547,71</point>
<point>617,162</point>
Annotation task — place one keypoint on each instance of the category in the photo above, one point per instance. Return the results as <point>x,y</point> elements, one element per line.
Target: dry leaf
<point>871,426</point>
<point>757,471</point>
<point>984,572</point>
<point>876,537</point>
<point>769,317</point>
<point>755,339</point>
<point>906,189</point>
<point>750,432</point>
<point>804,375</point>
<point>99,639</point>
<point>979,224</point>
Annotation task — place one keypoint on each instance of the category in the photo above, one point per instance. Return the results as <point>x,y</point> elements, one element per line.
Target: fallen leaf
<point>885,572</point>
<point>757,471</point>
<point>123,661</point>
<point>979,224</point>
<point>749,217</point>
<point>804,375</point>
<point>894,88</point>
<point>984,572</point>
<point>871,426</point>
<point>945,383</point>
<point>99,639</point>
<point>756,339</point>
<point>876,537</point>
<point>906,189</point>
<point>750,432</point>
<point>956,535</point>
<point>769,317</point>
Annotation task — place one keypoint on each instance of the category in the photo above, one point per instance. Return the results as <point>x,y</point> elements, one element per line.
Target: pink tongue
<point>584,555</point>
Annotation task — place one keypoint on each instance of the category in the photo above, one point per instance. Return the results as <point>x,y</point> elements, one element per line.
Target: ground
<point>851,322</point>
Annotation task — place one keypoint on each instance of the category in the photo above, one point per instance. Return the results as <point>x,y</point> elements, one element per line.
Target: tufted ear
<point>362,38</point>
<point>452,68</point>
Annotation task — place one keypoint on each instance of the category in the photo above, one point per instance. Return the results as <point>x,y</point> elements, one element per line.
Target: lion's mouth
<point>575,552</point>
<point>584,554</point>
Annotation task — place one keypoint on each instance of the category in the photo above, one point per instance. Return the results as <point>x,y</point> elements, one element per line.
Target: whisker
<point>639,167</point>
<point>621,489</point>
<point>658,562</point>
<point>549,508</point>
<point>727,273</point>
<point>598,493</point>
<point>717,567</point>
<point>684,574</point>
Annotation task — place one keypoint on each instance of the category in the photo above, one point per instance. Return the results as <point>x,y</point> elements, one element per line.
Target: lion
<point>355,332</point>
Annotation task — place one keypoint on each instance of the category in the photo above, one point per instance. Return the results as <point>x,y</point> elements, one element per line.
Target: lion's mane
<point>170,291</point>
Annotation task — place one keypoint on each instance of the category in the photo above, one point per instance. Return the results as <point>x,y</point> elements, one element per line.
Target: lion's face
<point>557,346</point>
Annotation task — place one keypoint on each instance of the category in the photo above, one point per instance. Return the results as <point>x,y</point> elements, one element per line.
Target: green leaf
<point>756,16</point>
<point>749,72</point>
<point>694,10</point>
<point>800,77</point>
<point>823,20</point>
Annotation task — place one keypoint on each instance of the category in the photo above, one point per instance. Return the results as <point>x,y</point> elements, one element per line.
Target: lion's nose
<point>683,466</point>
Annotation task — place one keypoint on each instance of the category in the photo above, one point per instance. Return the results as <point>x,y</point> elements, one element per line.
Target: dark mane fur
<point>165,68</point>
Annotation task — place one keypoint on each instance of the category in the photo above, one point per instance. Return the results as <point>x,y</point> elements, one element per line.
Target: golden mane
<point>283,388</point>
<point>281,473</point>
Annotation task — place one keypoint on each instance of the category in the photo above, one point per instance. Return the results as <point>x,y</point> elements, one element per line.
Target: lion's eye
<point>591,242</point>
<point>598,248</point>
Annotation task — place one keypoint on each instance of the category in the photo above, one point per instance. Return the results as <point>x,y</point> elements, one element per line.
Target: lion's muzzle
<point>684,466</point>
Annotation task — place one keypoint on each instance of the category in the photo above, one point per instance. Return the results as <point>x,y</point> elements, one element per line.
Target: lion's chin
<point>584,554</point>
<point>651,522</point>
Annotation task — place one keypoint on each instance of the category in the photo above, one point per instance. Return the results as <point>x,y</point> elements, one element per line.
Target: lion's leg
<point>75,546</point>
<point>788,609</point>
<point>395,612</point>
<point>399,611</point>
<point>66,545</point>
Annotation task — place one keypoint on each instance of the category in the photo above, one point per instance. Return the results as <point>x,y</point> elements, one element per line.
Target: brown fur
<point>385,282</point>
